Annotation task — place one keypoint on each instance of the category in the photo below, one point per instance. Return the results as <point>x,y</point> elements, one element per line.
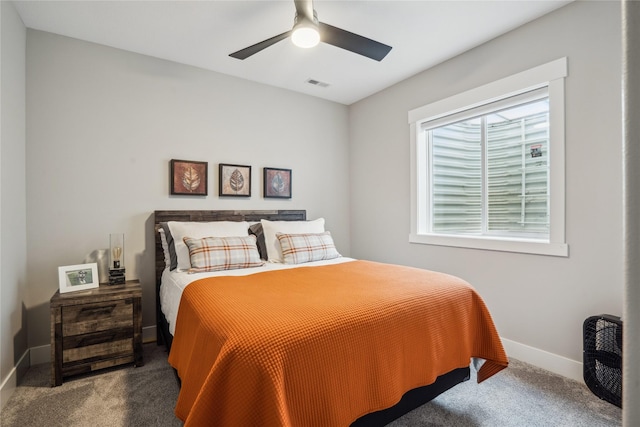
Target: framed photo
<point>235,180</point>
<point>277,183</point>
<point>188,178</point>
<point>78,277</point>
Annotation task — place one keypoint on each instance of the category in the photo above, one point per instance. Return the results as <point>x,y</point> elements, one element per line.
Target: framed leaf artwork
<point>235,180</point>
<point>188,178</point>
<point>277,183</point>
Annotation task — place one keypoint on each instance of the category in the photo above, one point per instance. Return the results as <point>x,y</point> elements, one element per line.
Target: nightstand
<point>95,329</point>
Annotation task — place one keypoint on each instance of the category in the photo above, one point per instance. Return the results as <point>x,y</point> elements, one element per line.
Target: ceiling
<point>204,33</point>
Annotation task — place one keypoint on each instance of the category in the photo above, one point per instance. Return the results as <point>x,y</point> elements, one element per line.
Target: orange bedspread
<point>322,346</point>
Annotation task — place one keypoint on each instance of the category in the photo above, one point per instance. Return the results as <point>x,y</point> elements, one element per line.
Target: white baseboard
<point>149,334</point>
<point>543,359</point>
<point>11,381</point>
<point>40,354</point>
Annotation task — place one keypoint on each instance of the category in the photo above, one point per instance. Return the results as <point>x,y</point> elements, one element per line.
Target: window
<point>489,172</point>
<point>488,166</point>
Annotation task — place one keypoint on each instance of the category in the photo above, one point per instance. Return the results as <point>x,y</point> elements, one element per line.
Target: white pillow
<point>270,228</point>
<point>198,230</point>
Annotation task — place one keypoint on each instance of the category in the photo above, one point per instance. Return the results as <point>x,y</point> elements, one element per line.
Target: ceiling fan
<point>307,31</point>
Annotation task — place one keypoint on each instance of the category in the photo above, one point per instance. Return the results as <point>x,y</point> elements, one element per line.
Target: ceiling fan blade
<point>253,49</point>
<point>352,42</point>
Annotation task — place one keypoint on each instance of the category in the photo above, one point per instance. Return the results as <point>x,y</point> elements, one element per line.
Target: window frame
<point>551,75</point>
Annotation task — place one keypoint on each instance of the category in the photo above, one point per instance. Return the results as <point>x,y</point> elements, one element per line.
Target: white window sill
<point>493,244</point>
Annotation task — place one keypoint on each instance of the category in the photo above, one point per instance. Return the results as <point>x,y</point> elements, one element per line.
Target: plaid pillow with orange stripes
<point>300,248</point>
<point>222,253</point>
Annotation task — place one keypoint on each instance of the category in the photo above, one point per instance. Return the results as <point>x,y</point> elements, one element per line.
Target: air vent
<point>317,83</point>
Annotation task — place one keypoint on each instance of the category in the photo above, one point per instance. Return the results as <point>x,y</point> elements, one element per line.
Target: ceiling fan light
<point>305,36</point>
<point>305,28</point>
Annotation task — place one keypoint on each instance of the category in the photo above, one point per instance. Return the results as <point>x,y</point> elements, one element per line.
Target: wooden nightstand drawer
<point>85,318</point>
<point>74,350</point>
<point>95,329</point>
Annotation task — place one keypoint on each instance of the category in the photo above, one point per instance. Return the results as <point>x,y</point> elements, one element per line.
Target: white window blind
<point>489,173</point>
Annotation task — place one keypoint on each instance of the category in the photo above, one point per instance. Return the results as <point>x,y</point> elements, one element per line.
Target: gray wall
<point>13,252</point>
<point>538,301</point>
<point>102,127</point>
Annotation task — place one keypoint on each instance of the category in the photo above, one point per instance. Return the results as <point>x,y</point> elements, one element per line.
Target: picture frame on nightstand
<point>79,277</point>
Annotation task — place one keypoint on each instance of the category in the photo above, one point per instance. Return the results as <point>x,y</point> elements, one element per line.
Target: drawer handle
<point>106,310</point>
<point>86,341</point>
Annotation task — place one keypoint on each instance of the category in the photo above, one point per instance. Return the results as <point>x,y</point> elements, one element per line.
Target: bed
<point>327,342</point>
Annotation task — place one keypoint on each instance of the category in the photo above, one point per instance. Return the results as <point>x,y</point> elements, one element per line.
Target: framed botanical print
<point>277,183</point>
<point>188,177</point>
<point>235,180</point>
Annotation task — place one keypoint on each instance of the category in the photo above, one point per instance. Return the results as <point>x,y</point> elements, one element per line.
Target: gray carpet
<point>521,395</point>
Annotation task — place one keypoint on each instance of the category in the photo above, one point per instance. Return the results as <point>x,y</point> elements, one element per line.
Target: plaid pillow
<point>222,253</point>
<point>300,248</point>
